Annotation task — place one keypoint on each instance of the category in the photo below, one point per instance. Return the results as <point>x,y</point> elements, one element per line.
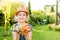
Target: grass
<point>3,33</point>
<point>40,32</point>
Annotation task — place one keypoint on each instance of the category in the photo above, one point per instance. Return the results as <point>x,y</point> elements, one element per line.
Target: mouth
<point>20,18</point>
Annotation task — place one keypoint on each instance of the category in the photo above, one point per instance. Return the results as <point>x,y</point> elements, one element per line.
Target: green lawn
<point>43,33</point>
<point>40,32</point>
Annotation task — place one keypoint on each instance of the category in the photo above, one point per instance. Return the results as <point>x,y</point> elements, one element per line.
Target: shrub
<point>1,18</point>
<point>51,18</point>
<point>57,28</point>
<point>54,27</point>
<point>51,26</point>
<point>36,17</point>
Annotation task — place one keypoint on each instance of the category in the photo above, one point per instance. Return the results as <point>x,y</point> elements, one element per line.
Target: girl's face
<point>21,16</point>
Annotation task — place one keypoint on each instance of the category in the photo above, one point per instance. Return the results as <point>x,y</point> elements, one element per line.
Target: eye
<point>24,15</point>
<point>19,15</point>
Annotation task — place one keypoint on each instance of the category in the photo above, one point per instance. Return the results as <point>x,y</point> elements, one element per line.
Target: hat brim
<point>16,13</point>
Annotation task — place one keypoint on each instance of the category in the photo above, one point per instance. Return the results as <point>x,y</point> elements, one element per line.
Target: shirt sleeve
<point>30,27</point>
<point>12,27</point>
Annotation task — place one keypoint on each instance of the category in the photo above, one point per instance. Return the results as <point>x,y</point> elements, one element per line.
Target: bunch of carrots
<point>24,30</point>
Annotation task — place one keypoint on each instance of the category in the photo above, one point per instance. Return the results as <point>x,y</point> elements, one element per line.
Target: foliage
<point>57,28</point>
<point>37,16</point>
<point>51,18</point>
<point>54,27</point>
<point>52,8</point>
<point>1,18</point>
<point>51,26</point>
<point>29,7</point>
<point>45,8</point>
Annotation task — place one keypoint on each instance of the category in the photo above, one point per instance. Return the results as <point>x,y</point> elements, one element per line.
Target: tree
<point>52,9</point>
<point>29,7</point>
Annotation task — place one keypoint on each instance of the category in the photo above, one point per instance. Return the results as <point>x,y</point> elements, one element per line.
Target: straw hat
<point>21,9</point>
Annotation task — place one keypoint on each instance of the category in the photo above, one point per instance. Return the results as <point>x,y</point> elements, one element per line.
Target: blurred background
<point>44,15</point>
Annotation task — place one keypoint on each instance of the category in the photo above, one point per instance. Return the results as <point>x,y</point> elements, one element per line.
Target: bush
<point>51,26</point>
<point>38,14</point>
<point>57,28</point>
<point>54,27</point>
<point>36,17</point>
<point>1,18</point>
<point>51,18</point>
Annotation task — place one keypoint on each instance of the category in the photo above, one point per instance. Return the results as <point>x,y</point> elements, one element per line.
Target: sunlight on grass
<point>43,33</point>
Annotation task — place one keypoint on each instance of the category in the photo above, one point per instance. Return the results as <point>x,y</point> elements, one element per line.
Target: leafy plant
<point>37,17</point>
<point>51,18</point>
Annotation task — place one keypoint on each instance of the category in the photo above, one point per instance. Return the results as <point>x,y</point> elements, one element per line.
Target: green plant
<point>52,9</point>
<point>1,18</point>
<point>54,27</point>
<point>57,28</point>
<point>51,18</point>
<point>37,17</point>
<point>51,26</point>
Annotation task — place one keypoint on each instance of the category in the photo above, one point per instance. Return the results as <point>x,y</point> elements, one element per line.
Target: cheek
<point>24,18</point>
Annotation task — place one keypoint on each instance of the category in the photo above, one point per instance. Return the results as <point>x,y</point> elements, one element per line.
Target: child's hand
<point>16,29</point>
<point>25,29</point>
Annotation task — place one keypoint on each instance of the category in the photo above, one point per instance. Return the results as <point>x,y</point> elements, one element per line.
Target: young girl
<point>21,30</point>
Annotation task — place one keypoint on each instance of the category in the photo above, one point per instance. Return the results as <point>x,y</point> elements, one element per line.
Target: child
<point>21,29</point>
